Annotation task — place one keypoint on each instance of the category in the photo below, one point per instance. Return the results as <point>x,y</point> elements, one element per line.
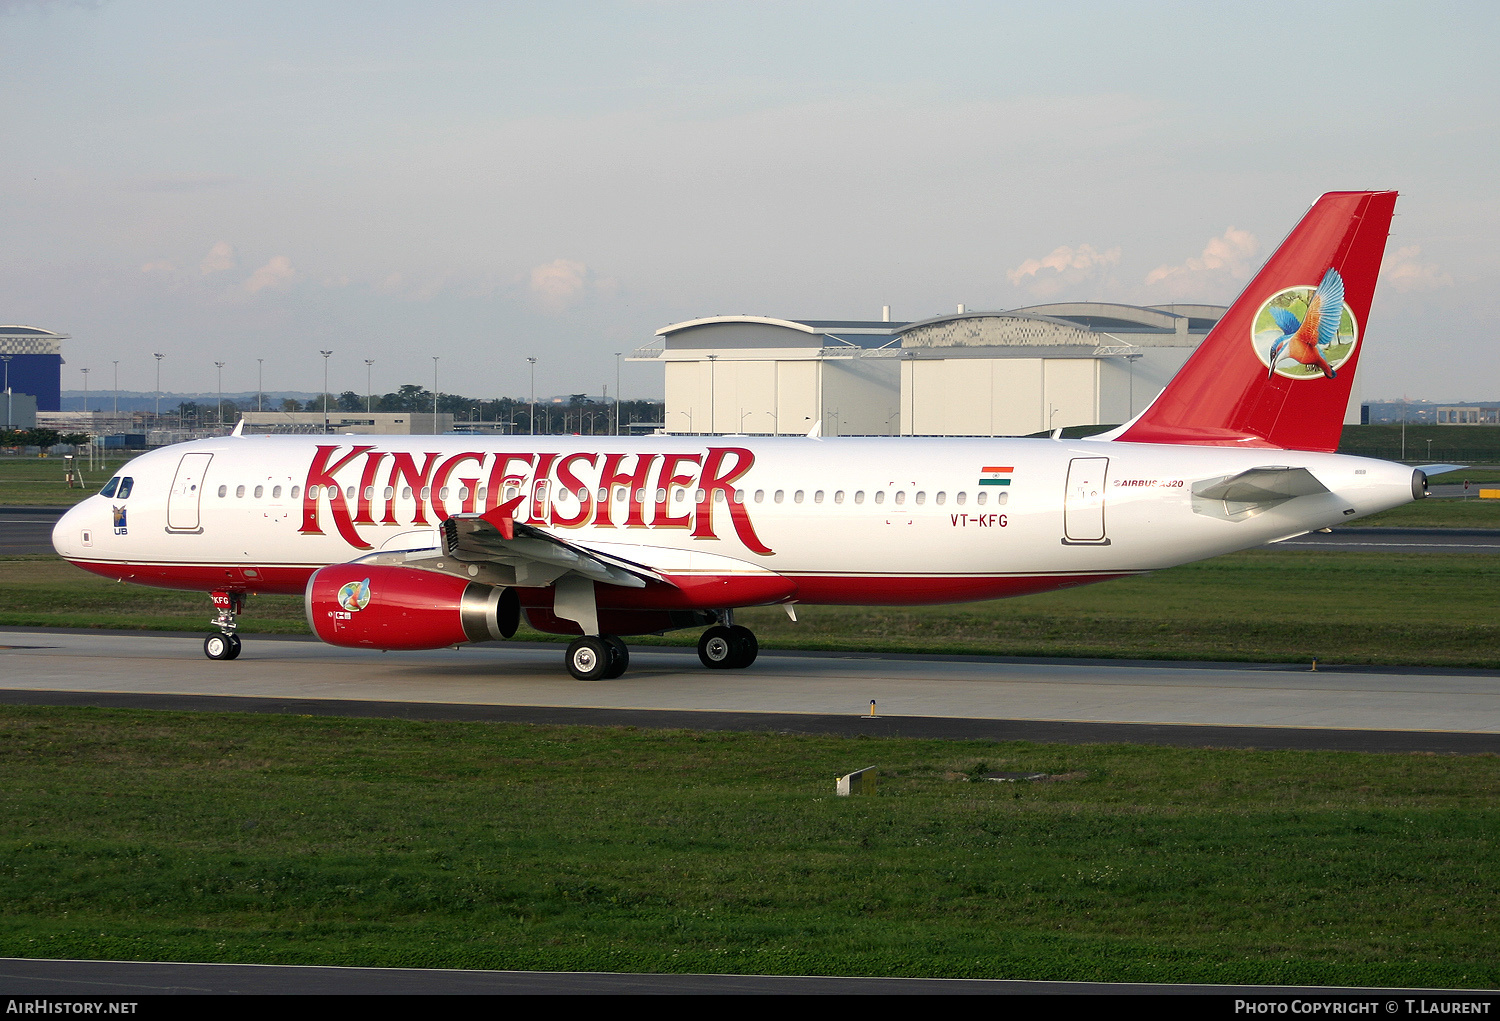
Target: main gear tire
<point>619,657</point>
<point>749,648</point>
<point>589,658</point>
<point>717,648</point>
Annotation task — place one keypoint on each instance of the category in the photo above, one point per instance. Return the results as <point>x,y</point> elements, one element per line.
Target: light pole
<point>158,356</point>
<point>617,393</point>
<point>533,395</point>
<point>434,394</point>
<point>219,367</point>
<point>260,381</point>
<point>325,355</point>
<point>369,392</point>
<point>117,386</point>
<point>86,395</point>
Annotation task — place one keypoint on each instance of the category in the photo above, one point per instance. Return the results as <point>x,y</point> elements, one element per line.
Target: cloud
<point>1228,256</point>
<point>559,283</point>
<point>1061,267</point>
<point>219,258</point>
<point>276,273</point>
<point>1404,270</point>
<point>159,267</point>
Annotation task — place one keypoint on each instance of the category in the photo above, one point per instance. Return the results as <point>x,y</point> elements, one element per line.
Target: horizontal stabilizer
<point>1236,497</point>
<point>1261,485</point>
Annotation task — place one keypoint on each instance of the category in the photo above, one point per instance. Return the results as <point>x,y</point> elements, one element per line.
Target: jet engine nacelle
<point>367,606</point>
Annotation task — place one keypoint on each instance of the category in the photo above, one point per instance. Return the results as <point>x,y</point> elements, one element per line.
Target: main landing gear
<point>728,648</point>
<point>597,657</point>
<point>225,644</point>
<point>604,657</point>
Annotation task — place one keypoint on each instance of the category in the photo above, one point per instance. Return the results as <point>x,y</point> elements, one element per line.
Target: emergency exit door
<point>1083,505</point>
<point>187,491</point>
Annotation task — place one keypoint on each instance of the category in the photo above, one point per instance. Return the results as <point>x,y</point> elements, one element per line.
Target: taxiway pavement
<point>961,696</point>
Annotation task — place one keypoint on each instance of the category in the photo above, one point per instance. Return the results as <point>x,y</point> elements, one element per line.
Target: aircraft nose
<point>71,531</point>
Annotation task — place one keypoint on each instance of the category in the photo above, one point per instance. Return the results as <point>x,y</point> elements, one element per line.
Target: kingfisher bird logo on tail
<point>1319,342</point>
<point>1303,314</point>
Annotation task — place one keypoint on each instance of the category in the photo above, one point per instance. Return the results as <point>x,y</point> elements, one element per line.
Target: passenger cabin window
<point>981,498</point>
<point>1002,499</point>
<point>880,496</point>
<point>859,496</point>
<point>760,496</point>
<point>797,497</point>
<point>780,495</point>
<point>818,496</point>
<point>921,497</point>
<point>959,498</point>
<point>223,491</point>
<point>259,491</point>
<point>295,491</point>
<point>110,487</point>
<point>838,497</point>
<point>239,492</point>
<point>276,493</point>
<point>901,497</point>
<point>942,498</point>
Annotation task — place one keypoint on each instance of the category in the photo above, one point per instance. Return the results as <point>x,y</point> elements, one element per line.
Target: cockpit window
<point>126,484</point>
<point>109,487</point>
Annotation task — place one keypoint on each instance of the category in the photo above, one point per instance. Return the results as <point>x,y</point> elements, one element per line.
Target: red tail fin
<point>1277,369</point>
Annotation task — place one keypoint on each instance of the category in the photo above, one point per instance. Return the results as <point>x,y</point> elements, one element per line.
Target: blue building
<point>33,364</point>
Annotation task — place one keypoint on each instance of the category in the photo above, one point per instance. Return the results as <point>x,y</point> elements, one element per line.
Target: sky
<point>494,181</point>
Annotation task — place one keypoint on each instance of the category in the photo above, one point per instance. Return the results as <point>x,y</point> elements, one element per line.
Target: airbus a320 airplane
<point>429,541</point>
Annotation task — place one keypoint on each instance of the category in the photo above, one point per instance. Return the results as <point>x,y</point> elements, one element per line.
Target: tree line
<point>579,413</point>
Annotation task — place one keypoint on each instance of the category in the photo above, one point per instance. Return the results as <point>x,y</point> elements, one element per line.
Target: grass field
<point>206,837</point>
<point>38,481</point>
<point>1273,606</point>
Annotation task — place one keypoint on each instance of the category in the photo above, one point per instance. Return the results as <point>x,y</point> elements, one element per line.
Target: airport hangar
<point>1007,373</point>
<point>33,364</point>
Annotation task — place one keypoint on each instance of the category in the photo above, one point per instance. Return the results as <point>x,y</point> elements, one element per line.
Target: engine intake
<point>373,607</point>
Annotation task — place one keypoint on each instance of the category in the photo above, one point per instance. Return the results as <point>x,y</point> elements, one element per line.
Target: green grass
<point>38,481</point>
<point>1445,513</point>
<point>208,837</point>
<point>1271,606</point>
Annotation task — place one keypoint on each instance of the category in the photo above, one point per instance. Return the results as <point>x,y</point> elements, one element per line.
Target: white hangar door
<point>187,491</point>
<point>1083,507</point>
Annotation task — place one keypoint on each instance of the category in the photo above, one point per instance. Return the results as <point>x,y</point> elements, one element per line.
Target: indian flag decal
<point>995,476</point>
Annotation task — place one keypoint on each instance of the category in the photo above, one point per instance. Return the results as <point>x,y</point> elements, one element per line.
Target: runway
<point>935,696</point>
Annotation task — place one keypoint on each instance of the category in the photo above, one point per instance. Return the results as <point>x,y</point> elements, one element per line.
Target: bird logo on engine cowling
<point>355,595</point>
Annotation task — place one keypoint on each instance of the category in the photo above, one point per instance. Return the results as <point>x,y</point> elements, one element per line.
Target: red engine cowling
<point>365,606</point>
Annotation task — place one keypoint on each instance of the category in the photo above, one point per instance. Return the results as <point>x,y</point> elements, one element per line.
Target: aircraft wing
<point>538,556</point>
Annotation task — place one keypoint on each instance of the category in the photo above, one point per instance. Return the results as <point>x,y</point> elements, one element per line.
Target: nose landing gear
<point>226,644</point>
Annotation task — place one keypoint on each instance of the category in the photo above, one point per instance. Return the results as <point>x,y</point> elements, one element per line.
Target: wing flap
<point>478,538</point>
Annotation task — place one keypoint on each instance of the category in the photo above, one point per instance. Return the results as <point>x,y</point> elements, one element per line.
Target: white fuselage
<point>849,520</point>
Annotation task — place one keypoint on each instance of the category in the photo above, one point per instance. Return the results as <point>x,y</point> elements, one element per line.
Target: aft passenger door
<point>187,491</point>
<point>1083,505</point>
